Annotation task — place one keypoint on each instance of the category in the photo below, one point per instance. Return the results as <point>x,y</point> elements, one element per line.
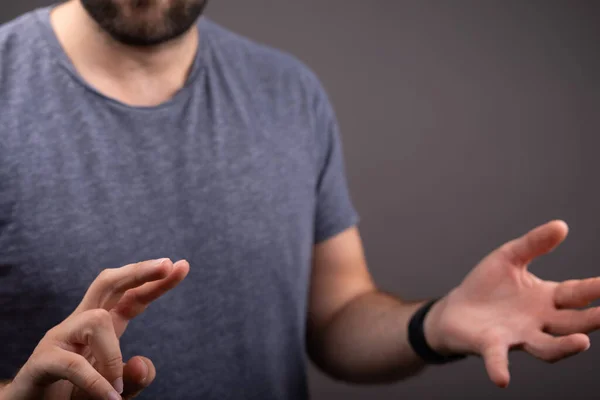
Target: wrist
<point>433,328</point>
<point>426,334</point>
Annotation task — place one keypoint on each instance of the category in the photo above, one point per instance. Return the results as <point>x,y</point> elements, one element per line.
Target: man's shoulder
<point>19,33</point>
<point>255,60</point>
<point>244,48</point>
<point>21,50</point>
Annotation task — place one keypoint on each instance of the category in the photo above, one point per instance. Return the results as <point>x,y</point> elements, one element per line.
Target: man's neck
<point>136,76</point>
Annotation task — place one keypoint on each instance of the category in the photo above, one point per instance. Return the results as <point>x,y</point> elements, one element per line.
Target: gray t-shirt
<point>240,173</point>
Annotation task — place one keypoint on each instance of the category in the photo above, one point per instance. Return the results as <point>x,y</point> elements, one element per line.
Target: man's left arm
<point>356,333</point>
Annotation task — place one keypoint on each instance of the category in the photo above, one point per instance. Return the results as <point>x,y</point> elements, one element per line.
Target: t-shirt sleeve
<point>335,211</point>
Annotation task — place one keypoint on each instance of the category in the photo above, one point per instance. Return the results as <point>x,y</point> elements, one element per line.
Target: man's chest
<point>89,193</point>
<point>94,193</point>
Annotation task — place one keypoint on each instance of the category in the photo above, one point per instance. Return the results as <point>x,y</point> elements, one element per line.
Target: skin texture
<point>81,357</point>
<point>502,306</point>
<point>359,334</point>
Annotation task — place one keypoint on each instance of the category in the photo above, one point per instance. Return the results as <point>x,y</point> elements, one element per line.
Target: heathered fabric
<point>240,173</point>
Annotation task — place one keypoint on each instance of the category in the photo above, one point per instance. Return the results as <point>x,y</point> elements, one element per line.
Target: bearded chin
<point>174,21</point>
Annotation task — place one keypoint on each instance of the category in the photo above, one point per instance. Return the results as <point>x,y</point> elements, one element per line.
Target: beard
<point>145,23</point>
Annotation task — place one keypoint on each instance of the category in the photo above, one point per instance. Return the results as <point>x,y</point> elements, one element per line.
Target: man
<point>134,130</point>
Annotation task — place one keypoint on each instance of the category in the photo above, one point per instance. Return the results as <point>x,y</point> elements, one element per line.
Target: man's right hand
<point>81,357</point>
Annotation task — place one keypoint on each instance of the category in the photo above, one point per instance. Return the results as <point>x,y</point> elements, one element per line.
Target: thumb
<point>496,364</point>
<point>138,374</point>
<point>537,242</point>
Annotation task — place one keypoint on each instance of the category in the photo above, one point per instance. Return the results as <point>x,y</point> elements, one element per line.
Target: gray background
<point>465,123</point>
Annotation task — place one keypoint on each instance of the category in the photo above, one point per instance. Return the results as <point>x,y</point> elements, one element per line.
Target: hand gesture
<point>81,357</point>
<point>501,306</point>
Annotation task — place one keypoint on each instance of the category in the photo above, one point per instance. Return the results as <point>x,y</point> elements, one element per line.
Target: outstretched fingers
<point>552,349</point>
<point>495,356</point>
<point>108,288</point>
<point>535,243</point>
<point>135,301</point>
<point>576,293</point>
<point>566,322</point>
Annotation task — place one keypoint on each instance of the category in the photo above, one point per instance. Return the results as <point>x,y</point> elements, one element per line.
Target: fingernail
<point>144,371</point>
<point>114,396</point>
<point>118,385</point>
<point>157,263</point>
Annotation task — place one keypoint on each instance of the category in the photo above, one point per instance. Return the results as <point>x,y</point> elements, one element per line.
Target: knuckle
<point>105,275</point>
<point>508,247</point>
<point>73,364</point>
<point>36,361</point>
<point>51,334</point>
<point>44,347</point>
<point>99,317</point>
<point>506,251</point>
<point>138,273</point>
<point>45,353</point>
<point>107,279</point>
<point>35,368</point>
<point>94,383</point>
<point>114,362</point>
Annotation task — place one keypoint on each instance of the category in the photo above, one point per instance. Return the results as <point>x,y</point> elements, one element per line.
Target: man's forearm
<point>367,341</point>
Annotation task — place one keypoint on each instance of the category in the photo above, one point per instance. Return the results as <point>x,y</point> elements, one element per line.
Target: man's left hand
<point>501,306</point>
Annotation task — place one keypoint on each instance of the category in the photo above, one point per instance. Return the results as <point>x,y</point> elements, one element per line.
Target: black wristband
<point>416,337</point>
